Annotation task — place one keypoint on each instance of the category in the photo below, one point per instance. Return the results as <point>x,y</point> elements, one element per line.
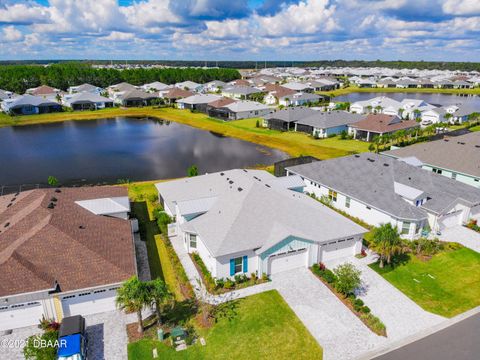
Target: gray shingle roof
<point>325,120</point>
<point>258,215</point>
<point>365,177</point>
<point>461,153</point>
<point>292,114</point>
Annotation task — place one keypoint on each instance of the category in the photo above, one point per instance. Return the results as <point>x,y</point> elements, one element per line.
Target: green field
<point>264,327</point>
<point>447,285</point>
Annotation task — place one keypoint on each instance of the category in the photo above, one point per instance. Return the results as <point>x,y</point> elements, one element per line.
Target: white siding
<point>223,263</point>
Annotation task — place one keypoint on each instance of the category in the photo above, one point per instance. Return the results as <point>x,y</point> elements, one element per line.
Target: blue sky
<point>241,29</point>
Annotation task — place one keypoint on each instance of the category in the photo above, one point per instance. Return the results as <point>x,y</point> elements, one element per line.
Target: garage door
<point>450,220</point>
<point>20,315</point>
<point>338,249</point>
<point>89,302</point>
<point>288,261</point>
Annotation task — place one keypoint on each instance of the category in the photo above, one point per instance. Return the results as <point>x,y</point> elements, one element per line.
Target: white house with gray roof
<point>248,221</point>
<point>379,189</point>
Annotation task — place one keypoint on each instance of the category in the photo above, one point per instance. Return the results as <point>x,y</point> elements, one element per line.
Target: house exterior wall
<point>358,209</point>
<point>466,179</point>
<point>249,114</point>
<point>222,264</point>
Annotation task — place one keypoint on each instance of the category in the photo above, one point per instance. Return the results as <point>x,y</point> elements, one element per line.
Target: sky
<point>283,30</point>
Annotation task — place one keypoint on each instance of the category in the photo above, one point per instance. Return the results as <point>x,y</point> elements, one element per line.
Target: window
<point>368,208</point>
<point>193,241</point>
<point>437,171</point>
<point>406,227</point>
<point>347,202</point>
<point>476,180</point>
<point>418,202</point>
<point>332,195</point>
<point>238,265</point>
<point>454,176</point>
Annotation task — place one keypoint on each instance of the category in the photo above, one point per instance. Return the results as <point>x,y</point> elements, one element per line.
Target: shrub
<point>453,246</point>
<point>264,277</point>
<point>365,310</point>
<point>331,135</point>
<point>359,302</point>
<point>426,247</point>
<point>220,283</point>
<point>152,198</point>
<point>322,266</point>
<point>254,277</point>
<point>257,123</point>
<point>329,276</point>
<point>229,284</point>
<point>348,278</point>
<point>374,322</point>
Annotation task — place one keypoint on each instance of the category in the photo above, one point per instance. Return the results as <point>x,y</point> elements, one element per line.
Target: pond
<point>106,150</point>
<point>434,99</point>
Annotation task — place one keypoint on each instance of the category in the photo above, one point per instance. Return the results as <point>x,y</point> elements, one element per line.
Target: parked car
<point>72,339</point>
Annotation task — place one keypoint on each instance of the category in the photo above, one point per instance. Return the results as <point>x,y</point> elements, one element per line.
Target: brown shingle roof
<point>42,245</point>
<point>43,90</point>
<point>177,93</point>
<point>279,91</point>
<point>221,102</point>
<point>382,123</point>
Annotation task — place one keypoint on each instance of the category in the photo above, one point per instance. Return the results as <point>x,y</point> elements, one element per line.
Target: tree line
<point>19,78</point>
<point>392,64</point>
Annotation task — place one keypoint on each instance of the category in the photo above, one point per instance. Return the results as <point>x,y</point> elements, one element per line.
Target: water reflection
<point>106,150</point>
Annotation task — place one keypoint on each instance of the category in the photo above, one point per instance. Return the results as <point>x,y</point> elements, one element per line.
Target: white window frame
<point>192,239</point>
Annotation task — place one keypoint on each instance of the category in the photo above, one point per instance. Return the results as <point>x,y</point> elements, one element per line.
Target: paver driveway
<point>340,333</point>
<point>401,315</point>
<point>462,235</point>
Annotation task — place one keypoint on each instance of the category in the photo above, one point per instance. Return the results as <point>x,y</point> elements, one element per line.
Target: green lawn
<point>263,328</point>
<point>454,288</point>
<point>475,128</point>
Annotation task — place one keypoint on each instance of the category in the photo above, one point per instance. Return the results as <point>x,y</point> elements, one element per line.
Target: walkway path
<point>401,315</point>
<point>465,236</point>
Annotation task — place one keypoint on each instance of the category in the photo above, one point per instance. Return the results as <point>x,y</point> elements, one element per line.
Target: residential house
<point>457,157</point>
<point>323,124</point>
<point>298,87</point>
<point>434,116</point>
<point>275,93</point>
<point>135,98</point>
<point>29,105</point>
<point>377,105</point>
<point>115,91</point>
<point>44,91</point>
<point>285,119</point>
<point>197,102</point>
<point>241,92</point>
<point>215,86</point>
<point>189,85</point>
<point>85,88</point>
<point>244,109</point>
<point>412,109</point>
<point>248,221</point>
<point>87,101</point>
<point>299,99</point>
<point>173,94</point>
<point>217,108</point>
<point>379,189</point>
<point>155,86</point>
<point>378,125</point>
<point>63,252</point>
<point>323,84</point>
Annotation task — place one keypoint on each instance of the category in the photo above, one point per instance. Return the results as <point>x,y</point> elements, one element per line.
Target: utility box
<point>160,334</point>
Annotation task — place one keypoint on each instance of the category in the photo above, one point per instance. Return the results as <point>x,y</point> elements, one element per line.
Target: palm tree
<point>133,296</point>
<point>387,243</point>
<point>159,295</point>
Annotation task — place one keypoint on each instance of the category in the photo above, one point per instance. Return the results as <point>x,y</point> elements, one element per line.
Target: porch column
<point>368,136</point>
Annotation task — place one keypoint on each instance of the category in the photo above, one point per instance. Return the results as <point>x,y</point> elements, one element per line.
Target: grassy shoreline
<point>292,143</point>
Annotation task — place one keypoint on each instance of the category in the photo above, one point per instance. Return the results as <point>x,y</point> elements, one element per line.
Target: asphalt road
<point>457,342</point>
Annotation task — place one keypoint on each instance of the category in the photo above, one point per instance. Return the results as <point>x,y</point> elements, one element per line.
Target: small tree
<point>192,171</point>
<point>387,243</point>
<point>32,351</point>
<point>348,278</point>
<point>133,296</point>
<point>159,294</point>
<point>52,181</point>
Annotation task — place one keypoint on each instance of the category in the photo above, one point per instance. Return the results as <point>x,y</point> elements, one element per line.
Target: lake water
<point>435,99</point>
<point>106,150</point>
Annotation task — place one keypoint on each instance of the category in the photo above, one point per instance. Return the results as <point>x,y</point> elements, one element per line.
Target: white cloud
<point>306,17</point>
<point>118,36</point>
<point>23,14</point>
<point>462,7</point>
<point>11,34</point>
